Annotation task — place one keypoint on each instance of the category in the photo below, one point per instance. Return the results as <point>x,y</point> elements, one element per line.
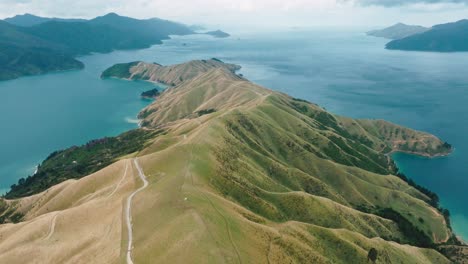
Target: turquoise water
<point>345,71</point>
<point>41,114</point>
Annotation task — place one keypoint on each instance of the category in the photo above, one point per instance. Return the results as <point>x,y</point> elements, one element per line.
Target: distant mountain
<point>154,28</point>
<point>22,54</point>
<point>28,20</point>
<point>218,34</point>
<point>83,38</point>
<point>18,61</point>
<point>49,44</point>
<point>107,33</point>
<point>449,37</point>
<point>398,31</point>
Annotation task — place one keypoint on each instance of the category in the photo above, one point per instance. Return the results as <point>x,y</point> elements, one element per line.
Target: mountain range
<point>226,171</point>
<point>398,31</point>
<point>34,45</point>
<point>27,20</point>
<point>451,37</point>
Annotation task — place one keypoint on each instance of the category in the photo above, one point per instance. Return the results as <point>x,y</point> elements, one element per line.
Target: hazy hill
<point>155,28</point>
<point>23,54</point>
<point>50,44</point>
<point>18,61</point>
<point>237,173</point>
<point>83,38</point>
<point>218,34</point>
<point>449,37</point>
<point>28,20</point>
<point>398,31</point>
<point>107,33</point>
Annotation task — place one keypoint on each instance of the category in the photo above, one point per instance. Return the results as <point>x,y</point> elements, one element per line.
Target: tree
<point>372,256</point>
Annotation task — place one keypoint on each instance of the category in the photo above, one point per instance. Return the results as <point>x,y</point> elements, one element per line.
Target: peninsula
<point>224,170</point>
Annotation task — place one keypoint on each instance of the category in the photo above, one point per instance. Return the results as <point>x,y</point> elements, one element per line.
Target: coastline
<point>419,154</point>
<point>460,239</point>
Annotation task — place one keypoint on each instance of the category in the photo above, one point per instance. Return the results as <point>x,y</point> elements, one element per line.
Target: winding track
<point>52,226</point>
<point>128,211</point>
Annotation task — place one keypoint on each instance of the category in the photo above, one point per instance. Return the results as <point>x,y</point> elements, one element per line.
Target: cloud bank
<point>253,14</point>
<point>393,3</point>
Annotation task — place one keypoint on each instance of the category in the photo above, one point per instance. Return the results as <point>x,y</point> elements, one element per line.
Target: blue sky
<point>258,13</point>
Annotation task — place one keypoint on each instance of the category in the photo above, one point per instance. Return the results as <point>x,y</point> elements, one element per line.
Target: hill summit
<point>398,31</point>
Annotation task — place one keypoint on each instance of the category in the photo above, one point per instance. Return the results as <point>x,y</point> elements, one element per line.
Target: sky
<point>255,13</point>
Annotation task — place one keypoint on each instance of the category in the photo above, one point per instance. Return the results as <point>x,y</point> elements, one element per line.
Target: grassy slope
<point>88,220</point>
<point>261,178</point>
<point>259,159</point>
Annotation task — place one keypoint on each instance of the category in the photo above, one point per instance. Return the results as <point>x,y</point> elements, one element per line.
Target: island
<point>247,173</point>
<point>451,37</point>
<point>398,31</point>
<point>217,34</point>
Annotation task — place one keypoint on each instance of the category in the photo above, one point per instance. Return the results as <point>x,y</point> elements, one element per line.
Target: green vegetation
<point>372,255</point>
<point>120,70</point>
<point>23,54</point>
<point>412,234</point>
<point>434,198</point>
<point>77,162</point>
<point>8,213</point>
<point>21,61</point>
<point>205,111</point>
<point>47,45</point>
<point>151,94</point>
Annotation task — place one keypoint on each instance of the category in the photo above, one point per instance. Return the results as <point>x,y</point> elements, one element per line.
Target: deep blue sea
<point>346,72</point>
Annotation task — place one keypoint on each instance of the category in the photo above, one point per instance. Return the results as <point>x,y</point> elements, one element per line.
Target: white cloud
<point>243,13</point>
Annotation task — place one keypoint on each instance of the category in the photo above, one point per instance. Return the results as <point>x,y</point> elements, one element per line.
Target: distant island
<point>218,34</point>
<point>34,45</point>
<point>397,31</point>
<point>449,37</point>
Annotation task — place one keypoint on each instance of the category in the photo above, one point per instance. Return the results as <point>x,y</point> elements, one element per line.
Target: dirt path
<point>52,227</point>
<point>128,211</point>
<point>120,182</point>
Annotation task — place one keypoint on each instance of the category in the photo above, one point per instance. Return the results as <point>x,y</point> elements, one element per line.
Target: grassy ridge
<point>284,159</point>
